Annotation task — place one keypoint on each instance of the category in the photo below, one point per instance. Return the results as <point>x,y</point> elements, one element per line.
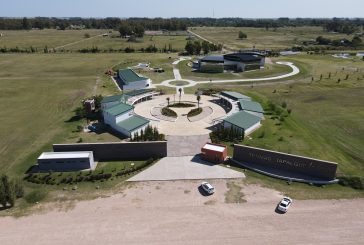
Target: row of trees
<point>149,134</point>
<point>355,42</point>
<point>336,24</point>
<point>129,29</point>
<point>195,48</point>
<point>10,190</point>
<point>231,134</point>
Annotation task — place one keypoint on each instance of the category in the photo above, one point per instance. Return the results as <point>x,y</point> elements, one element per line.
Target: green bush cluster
<point>168,112</point>
<point>149,134</point>
<point>352,181</point>
<point>181,105</point>
<point>140,167</point>
<point>195,112</point>
<point>227,134</point>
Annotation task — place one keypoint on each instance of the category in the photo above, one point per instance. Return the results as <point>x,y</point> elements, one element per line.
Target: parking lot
<point>175,212</point>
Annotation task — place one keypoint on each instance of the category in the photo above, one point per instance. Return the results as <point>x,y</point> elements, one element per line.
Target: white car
<point>208,188</point>
<point>284,205</point>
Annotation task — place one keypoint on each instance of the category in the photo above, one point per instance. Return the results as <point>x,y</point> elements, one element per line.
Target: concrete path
<point>186,145</point>
<point>185,168</point>
<point>191,83</point>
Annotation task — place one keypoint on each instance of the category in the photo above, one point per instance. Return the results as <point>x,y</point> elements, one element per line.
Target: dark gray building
<point>237,62</point>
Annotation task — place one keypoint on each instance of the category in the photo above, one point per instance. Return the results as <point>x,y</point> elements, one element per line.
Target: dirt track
<point>176,213</point>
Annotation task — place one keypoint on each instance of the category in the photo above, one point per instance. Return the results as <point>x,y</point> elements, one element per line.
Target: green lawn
<point>41,38</point>
<point>38,93</point>
<point>281,38</point>
<point>56,38</point>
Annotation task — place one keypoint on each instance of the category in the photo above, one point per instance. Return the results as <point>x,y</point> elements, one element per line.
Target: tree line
<point>195,48</point>
<point>10,190</point>
<point>342,25</point>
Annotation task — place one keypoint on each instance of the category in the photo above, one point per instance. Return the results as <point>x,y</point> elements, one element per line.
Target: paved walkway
<point>295,71</point>
<point>185,168</point>
<point>186,145</point>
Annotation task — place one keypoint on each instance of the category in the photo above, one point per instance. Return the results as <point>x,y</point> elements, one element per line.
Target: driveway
<point>185,168</point>
<point>186,145</point>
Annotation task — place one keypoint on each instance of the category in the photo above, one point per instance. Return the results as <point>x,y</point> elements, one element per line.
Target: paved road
<point>185,168</point>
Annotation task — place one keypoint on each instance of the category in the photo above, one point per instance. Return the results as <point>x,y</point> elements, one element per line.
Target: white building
<point>121,118</point>
<point>129,80</point>
<point>66,161</point>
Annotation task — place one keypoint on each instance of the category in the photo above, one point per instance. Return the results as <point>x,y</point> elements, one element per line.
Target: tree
<point>198,101</point>
<point>242,35</point>
<point>190,48</point>
<point>180,94</point>
<point>168,99</point>
<point>139,31</point>
<point>356,41</point>
<point>205,47</point>
<point>197,47</point>
<point>3,199</point>
<point>25,23</point>
<point>125,29</point>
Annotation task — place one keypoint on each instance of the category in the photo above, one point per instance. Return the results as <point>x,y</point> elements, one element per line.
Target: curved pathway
<point>191,83</point>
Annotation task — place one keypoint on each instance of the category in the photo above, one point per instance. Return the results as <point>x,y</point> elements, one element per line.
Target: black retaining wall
<point>119,151</point>
<point>312,167</point>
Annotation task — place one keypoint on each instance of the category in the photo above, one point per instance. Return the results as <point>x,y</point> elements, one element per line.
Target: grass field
<point>38,93</point>
<point>75,40</point>
<point>259,38</point>
<point>41,38</point>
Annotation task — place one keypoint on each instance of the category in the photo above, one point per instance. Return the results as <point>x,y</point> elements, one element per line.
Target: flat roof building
<point>66,161</point>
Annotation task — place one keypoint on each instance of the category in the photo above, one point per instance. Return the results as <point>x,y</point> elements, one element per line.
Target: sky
<point>184,8</point>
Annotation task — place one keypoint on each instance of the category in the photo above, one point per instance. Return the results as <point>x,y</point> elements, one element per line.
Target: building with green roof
<point>242,121</point>
<point>130,80</point>
<point>132,125</point>
<point>252,107</point>
<point>121,118</point>
<point>234,95</point>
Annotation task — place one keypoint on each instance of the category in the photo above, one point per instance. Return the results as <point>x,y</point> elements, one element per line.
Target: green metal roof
<point>115,98</point>
<point>235,95</point>
<point>119,109</point>
<point>133,123</point>
<point>129,76</point>
<point>243,120</point>
<point>247,105</point>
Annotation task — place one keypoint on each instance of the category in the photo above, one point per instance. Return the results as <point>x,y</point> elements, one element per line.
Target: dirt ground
<point>177,213</point>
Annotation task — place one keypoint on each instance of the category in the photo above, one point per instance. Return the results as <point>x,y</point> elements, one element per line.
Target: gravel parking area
<point>164,213</point>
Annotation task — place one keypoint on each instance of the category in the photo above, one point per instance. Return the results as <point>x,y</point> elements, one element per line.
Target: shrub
<point>182,105</point>
<point>35,196</point>
<point>168,112</point>
<point>195,112</point>
<point>352,181</point>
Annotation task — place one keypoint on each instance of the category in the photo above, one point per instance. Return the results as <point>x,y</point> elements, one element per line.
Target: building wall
<point>119,151</point>
<point>65,164</point>
<point>138,85</point>
<point>114,120</point>
<point>248,131</point>
<point>277,160</point>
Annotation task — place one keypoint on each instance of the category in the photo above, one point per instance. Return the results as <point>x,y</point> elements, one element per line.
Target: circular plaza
<point>202,124</point>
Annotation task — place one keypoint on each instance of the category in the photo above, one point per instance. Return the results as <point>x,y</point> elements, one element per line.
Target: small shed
<point>214,153</point>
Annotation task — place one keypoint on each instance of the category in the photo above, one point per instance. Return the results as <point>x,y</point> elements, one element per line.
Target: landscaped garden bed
<point>195,112</point>
<point>182,105</point>
<point>168,112</point>
<point>104,172</point>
